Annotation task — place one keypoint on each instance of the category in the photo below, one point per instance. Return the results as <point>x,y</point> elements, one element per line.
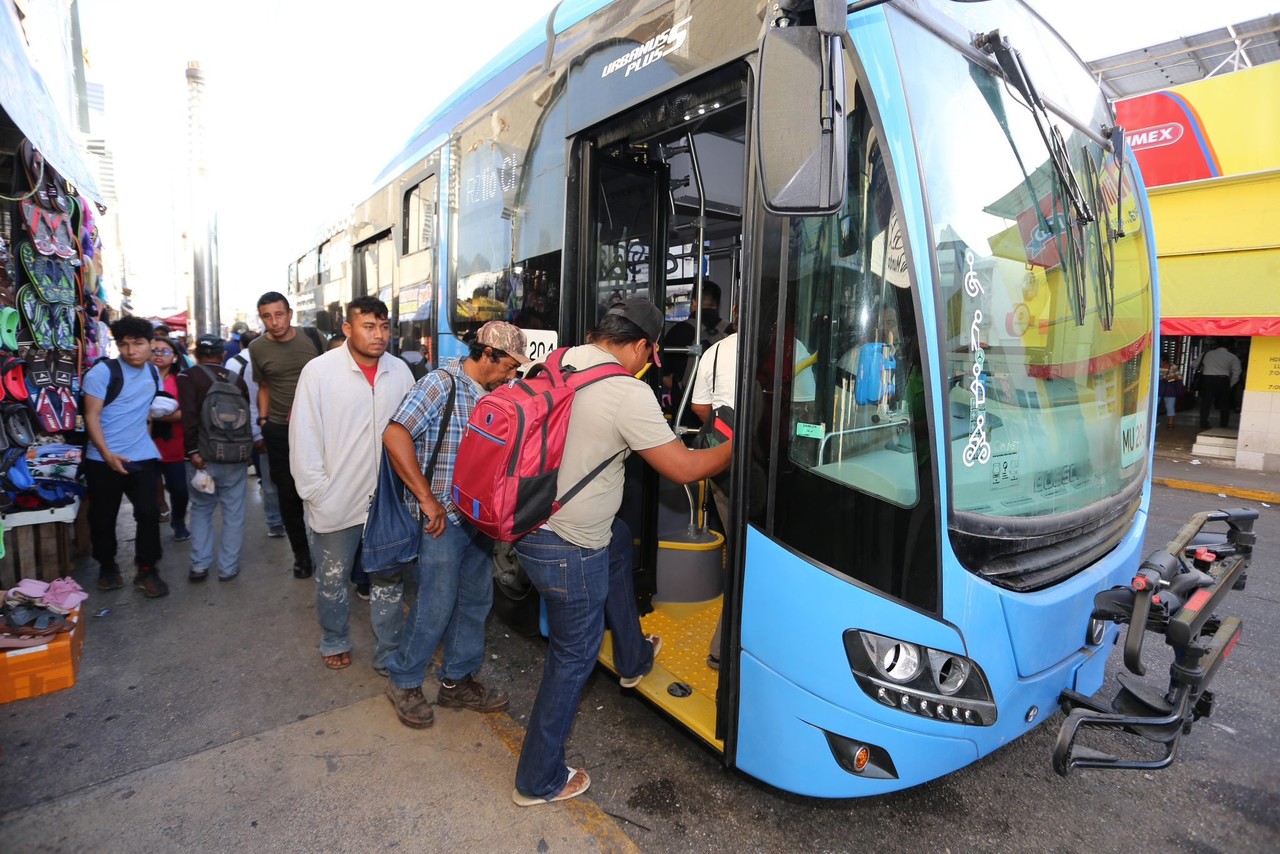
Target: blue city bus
<point>942,266</point>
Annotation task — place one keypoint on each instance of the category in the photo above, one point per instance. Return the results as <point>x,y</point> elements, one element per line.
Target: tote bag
<point>392,532</point>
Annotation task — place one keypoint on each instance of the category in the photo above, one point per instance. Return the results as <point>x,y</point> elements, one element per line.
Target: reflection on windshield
<point>1048,324</point>
<point>857,390</point>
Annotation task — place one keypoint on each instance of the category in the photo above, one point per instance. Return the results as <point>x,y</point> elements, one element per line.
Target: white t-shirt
<point>804,388</point>
<point>716,382</point>
<point>608,417</point>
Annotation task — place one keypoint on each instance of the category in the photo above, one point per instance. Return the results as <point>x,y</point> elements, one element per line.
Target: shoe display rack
<point>50,303</point>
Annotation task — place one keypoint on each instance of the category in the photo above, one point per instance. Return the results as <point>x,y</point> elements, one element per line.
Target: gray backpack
<point>225,433</point>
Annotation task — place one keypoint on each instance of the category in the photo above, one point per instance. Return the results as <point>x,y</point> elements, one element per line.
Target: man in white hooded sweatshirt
<point>342,404</point>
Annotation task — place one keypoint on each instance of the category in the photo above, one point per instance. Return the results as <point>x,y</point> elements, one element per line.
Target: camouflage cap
<point>503,336</point>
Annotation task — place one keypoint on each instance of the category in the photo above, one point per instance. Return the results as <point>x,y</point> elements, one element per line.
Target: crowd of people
<point>323,419</point>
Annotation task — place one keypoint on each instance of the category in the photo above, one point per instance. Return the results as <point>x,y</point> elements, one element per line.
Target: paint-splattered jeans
<point>332,554</point>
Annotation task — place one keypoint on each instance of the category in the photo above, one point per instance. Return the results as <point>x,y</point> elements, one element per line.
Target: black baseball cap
<point>645,315</point>
<point>210,345</point>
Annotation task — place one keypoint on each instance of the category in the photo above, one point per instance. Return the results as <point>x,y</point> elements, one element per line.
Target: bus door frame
<point>579,314</point>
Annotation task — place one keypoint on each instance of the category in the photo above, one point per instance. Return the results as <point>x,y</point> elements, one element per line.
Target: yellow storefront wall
<point>1218,246</point>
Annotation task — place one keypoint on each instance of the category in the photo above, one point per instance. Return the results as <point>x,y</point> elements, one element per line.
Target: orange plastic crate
<point>38,670</point>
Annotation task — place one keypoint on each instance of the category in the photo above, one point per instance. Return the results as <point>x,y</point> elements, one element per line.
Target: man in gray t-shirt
<point>584,541</point>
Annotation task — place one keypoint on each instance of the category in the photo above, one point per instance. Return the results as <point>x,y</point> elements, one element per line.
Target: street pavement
<point>206,721</point>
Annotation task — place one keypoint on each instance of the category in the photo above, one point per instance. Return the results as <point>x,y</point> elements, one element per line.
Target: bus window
<point>419,217</point>
<point>509,192</point>
<point>850,418</point>
<point>852,484</point>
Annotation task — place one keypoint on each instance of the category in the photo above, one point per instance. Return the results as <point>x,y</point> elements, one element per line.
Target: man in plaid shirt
<point>454,570</point>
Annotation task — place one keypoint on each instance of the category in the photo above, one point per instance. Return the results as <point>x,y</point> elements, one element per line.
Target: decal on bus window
<point>665,42</point>
<point>978,449</point>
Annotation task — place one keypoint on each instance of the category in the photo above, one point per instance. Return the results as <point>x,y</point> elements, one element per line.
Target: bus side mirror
<point>799,121</point>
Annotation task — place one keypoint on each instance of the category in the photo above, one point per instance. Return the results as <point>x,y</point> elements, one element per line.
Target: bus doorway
<point>659,215</point>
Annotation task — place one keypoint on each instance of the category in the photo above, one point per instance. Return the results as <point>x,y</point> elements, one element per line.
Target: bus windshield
<point>1046,321</point>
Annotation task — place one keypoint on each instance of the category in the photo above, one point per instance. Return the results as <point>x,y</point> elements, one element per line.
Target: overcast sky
<point>308,99</point>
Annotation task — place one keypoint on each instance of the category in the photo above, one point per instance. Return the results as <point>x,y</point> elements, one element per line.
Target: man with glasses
<point>586,542</point>
<point>455,563</point>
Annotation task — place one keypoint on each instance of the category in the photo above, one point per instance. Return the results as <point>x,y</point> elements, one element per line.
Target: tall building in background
<point>204,222</point>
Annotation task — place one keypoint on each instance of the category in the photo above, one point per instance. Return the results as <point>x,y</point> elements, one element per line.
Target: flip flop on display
<point>50,231</point>
<point>53,278</point>
<point>64,368</point>
<point>39,370</point>
<point>64,327</point>
<point>48,406</point>
<point>39,321</point>
<point>69,408</point>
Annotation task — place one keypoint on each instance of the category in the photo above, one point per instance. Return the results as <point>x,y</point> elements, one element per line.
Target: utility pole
<point>204,221</point>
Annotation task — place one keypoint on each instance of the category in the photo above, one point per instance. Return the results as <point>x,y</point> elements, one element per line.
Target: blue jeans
<point>231,480</point>
<point>583,589</point>
<point>176,482</point>
<point>455,592</point>
<point>270,497</point>
<point>332,554</point>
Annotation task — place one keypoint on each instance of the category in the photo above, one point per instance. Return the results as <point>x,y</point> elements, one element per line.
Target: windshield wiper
<point>1115,134</point>
<point>1010,62</point>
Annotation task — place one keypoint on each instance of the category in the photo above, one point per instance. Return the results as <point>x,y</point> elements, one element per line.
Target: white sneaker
<point>633,681</point>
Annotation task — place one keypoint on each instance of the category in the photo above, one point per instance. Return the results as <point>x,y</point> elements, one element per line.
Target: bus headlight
<point>917,680</point>
<point>894,659</point>
<point>950,672</point>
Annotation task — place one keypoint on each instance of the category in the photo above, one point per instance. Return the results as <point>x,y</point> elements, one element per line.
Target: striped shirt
<point>420,413</point>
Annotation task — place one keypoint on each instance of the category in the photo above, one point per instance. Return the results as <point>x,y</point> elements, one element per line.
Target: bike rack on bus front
<point>1175,600</point>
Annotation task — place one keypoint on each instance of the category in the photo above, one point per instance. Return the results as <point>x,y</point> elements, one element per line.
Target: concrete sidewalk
<point>1177,466</point>
<point>206,720</point>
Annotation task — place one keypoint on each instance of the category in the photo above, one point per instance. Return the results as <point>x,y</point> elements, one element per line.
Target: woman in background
<point>166,430</point>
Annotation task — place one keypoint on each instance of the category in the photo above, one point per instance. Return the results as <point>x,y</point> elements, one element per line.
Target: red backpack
<point>504,479</point>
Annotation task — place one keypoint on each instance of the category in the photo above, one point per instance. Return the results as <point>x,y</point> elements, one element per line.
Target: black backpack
<point>226,436</point>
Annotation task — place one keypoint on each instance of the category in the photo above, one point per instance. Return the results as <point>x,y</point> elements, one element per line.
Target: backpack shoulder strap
<point>115,381</point>
<point>208,372</point>
<point>240,360</point>
<point>315,339</point>
<point>580,379</point>
<point>715,364</point>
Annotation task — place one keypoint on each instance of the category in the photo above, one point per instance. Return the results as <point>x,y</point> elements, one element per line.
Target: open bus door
<point>623,229</point>
<point>658,212</point>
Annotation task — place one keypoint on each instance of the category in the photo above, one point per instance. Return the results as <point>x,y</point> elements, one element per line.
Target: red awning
<point>175,322</point>
<point>1242,326</point>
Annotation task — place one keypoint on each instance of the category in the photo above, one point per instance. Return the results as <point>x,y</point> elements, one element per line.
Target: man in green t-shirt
<point>278,357</point>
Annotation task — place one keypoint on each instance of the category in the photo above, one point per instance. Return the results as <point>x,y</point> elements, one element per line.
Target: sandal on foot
<point>338,660</point>
<point>577,783</point>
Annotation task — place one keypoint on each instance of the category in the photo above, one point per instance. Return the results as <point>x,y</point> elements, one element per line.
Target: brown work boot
<point>470,694</point>
<point>109,578</point>
<point>412,708</point>
<point>148,580</point>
